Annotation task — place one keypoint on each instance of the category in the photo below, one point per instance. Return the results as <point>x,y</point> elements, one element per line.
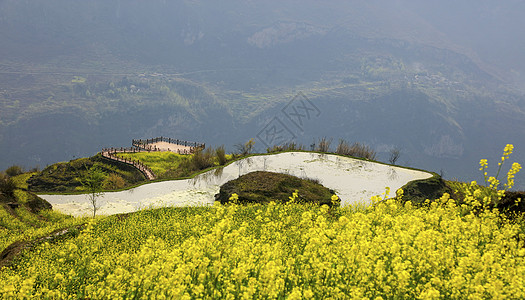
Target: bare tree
<point>395,153</point>
<point>246,148</point>
<point>93,182</point>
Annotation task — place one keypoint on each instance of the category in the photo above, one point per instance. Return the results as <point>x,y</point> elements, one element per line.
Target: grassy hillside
<point>66,176</point>
<point>26,217</point>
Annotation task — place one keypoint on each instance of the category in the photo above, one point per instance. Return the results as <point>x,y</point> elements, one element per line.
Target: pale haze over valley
<point>443,81</point>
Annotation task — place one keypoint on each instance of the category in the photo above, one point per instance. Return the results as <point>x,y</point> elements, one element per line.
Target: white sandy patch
<point>354,181</point>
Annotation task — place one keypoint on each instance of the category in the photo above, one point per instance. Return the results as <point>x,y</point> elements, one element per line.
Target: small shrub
<point>114,182</point>
<point>246,148</point>
<point>343,148</point>
<point>324,145</point>
<point>14,170</point>
<point>274,148</point>
<point>7,187</point>
<point>356,150</point>
<point>292,146</point>
<point>221,155</point>
<point>202,159</point>
<point>361,150</point>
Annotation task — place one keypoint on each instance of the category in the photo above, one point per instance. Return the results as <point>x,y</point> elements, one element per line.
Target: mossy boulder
<point>418,191</point>
<point>263,187</point>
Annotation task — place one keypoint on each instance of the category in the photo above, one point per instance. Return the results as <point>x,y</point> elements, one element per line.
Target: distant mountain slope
<point>77,76</point>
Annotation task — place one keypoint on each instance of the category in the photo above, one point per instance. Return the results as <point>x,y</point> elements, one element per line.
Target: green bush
<point>7,187</point>
<point>202,159</point>
<point>14,170</point>
<point>114,182</point>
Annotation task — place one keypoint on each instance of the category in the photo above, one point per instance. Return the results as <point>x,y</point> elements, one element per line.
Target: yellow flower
<point>335,199</point>
<point>399,193</point>
<point>483,164</point>
<point>508,150</point>
<point>516,167</point>
<point>295,195</point>
<point>234,198</point>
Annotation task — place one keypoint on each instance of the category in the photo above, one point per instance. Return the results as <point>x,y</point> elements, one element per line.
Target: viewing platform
<point>168,144</point>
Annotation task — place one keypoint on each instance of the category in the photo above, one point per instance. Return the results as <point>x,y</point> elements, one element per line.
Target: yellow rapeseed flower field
<point>281,251</point>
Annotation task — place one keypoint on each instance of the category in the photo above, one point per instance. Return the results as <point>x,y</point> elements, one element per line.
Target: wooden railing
<point>145,144</point>
<point>110,153</point>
